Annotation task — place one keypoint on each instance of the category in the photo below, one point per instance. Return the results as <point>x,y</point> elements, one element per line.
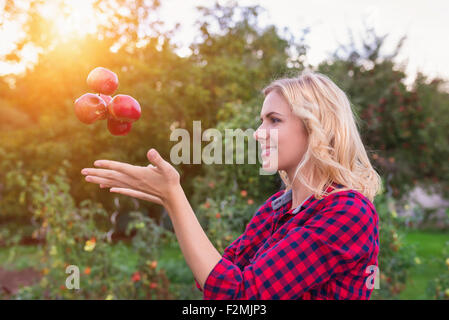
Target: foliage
<point>404,128</point>
<point>438,288</point>
<point>395,256</point>
<point>77,236</point>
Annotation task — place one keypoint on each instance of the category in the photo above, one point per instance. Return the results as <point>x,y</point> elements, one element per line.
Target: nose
<point>259,134</point>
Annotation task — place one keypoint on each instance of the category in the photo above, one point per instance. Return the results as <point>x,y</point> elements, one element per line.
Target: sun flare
<point>71,18</point>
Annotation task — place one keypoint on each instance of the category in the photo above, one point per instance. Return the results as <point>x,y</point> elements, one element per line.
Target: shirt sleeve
<point>228,253</point>
<point>331,242</point>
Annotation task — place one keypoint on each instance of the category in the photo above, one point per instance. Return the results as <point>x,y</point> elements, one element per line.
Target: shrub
<point>438,288</point>
<point>73,236</point>
<point>395,257</point>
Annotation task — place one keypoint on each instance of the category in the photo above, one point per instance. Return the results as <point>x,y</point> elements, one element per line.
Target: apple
<point>124,108</point>
<point>102,80</point>
<point>120,111</point>
<point>117,127</point>
<point>90,108</point>
<point>107,99</point>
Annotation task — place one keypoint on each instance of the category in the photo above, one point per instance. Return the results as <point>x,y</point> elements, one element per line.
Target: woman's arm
<point>200,254</point>
<point>159,182</point>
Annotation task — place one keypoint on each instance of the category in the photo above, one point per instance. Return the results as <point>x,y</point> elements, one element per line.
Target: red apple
<point>124,108</point>
<point>90,108</point>
<point>102,80</point>
<point>107,99</point>
<point>117,127</point>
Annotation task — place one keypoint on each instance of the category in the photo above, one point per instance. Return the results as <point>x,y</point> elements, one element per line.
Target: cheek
<point>292,145</point>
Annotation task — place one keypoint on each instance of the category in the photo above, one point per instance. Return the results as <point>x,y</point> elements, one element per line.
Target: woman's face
<point>282,135</point>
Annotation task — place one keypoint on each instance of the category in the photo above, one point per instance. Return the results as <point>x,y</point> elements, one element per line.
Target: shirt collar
<point>287,197</point>
<point>282,200</point>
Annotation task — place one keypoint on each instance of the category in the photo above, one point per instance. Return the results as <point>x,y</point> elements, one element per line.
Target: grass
<point>28,256</point>
<point>21,258</point>
<point>171,260</point>
<point>429,246</point>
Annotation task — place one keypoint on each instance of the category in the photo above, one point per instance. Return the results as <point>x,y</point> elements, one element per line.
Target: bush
<point>395,257</point>
<point>74,236</point>
<point>438,288</point>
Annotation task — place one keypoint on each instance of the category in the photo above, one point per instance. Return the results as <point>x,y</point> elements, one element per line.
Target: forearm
<point>199,253</point>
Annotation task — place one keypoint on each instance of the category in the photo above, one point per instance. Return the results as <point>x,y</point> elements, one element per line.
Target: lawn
<point>429,246</point>
<point>171,261</point>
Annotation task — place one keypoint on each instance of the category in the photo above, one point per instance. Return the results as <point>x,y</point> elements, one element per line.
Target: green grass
<point>21,257</point>
<point>171,259</point>
<point>429,246</point>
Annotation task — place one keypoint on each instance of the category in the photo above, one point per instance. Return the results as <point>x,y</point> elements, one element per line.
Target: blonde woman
<point>317,238</point>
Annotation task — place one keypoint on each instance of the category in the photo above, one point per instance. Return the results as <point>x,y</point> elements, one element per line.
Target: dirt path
<point>11,281</point>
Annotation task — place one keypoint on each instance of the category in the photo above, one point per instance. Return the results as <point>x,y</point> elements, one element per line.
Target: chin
<point>271,165</point>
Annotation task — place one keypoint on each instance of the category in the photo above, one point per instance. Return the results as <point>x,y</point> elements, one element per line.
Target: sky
<point>425,23</point>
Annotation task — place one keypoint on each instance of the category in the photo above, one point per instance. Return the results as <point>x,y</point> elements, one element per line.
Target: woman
<point>317,239</point>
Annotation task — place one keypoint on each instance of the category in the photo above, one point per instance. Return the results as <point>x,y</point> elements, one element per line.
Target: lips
<point>267,151</point>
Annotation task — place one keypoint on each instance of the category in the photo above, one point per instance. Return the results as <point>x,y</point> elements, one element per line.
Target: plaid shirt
<point>320,250</point>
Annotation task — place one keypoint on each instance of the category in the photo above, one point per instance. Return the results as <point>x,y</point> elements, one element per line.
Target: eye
<point>274,120</point>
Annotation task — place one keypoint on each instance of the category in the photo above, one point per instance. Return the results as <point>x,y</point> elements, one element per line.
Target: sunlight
<point>71,18</point>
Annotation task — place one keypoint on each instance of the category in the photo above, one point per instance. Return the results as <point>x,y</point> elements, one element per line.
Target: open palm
<point>150,183</point>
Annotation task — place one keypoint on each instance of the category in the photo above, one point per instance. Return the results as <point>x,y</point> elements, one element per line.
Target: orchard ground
<point>21,267</point>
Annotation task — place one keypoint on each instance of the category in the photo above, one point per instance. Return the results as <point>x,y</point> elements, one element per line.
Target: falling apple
<point>90,108</point>
<point>107,99</point>
<point>117,127</point>
<point>124,108</point>
<point>102,80</point>
<point>120,111</point>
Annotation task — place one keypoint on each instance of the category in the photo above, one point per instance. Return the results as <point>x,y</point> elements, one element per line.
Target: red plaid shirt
<point>323,249</point>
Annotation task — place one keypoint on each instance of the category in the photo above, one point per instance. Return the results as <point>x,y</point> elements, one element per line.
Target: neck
<point>300,192</point>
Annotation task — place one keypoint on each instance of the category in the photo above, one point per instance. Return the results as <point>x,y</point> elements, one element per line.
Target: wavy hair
<point>335,149</point>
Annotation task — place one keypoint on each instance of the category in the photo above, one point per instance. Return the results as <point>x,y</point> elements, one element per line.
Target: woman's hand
<point>153,183</point>
<point>159,182</point>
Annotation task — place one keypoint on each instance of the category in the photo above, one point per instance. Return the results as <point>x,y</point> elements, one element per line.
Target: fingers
<point>112,178</point>
<point>137,194</point>
<point>103,173</point>
<point>104,182</point>
<point>109,178</point>
<point>155,158</point>
<point>122,167</point>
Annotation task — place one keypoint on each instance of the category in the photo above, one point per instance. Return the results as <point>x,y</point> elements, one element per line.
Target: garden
<point>52,220</point>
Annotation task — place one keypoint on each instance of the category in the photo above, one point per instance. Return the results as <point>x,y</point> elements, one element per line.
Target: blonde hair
<point>335,150</point>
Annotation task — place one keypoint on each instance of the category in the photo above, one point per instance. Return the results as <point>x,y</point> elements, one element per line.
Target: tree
<point>404,129</point>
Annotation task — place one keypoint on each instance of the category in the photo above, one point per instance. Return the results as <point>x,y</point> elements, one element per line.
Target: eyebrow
<point>270,113</point>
